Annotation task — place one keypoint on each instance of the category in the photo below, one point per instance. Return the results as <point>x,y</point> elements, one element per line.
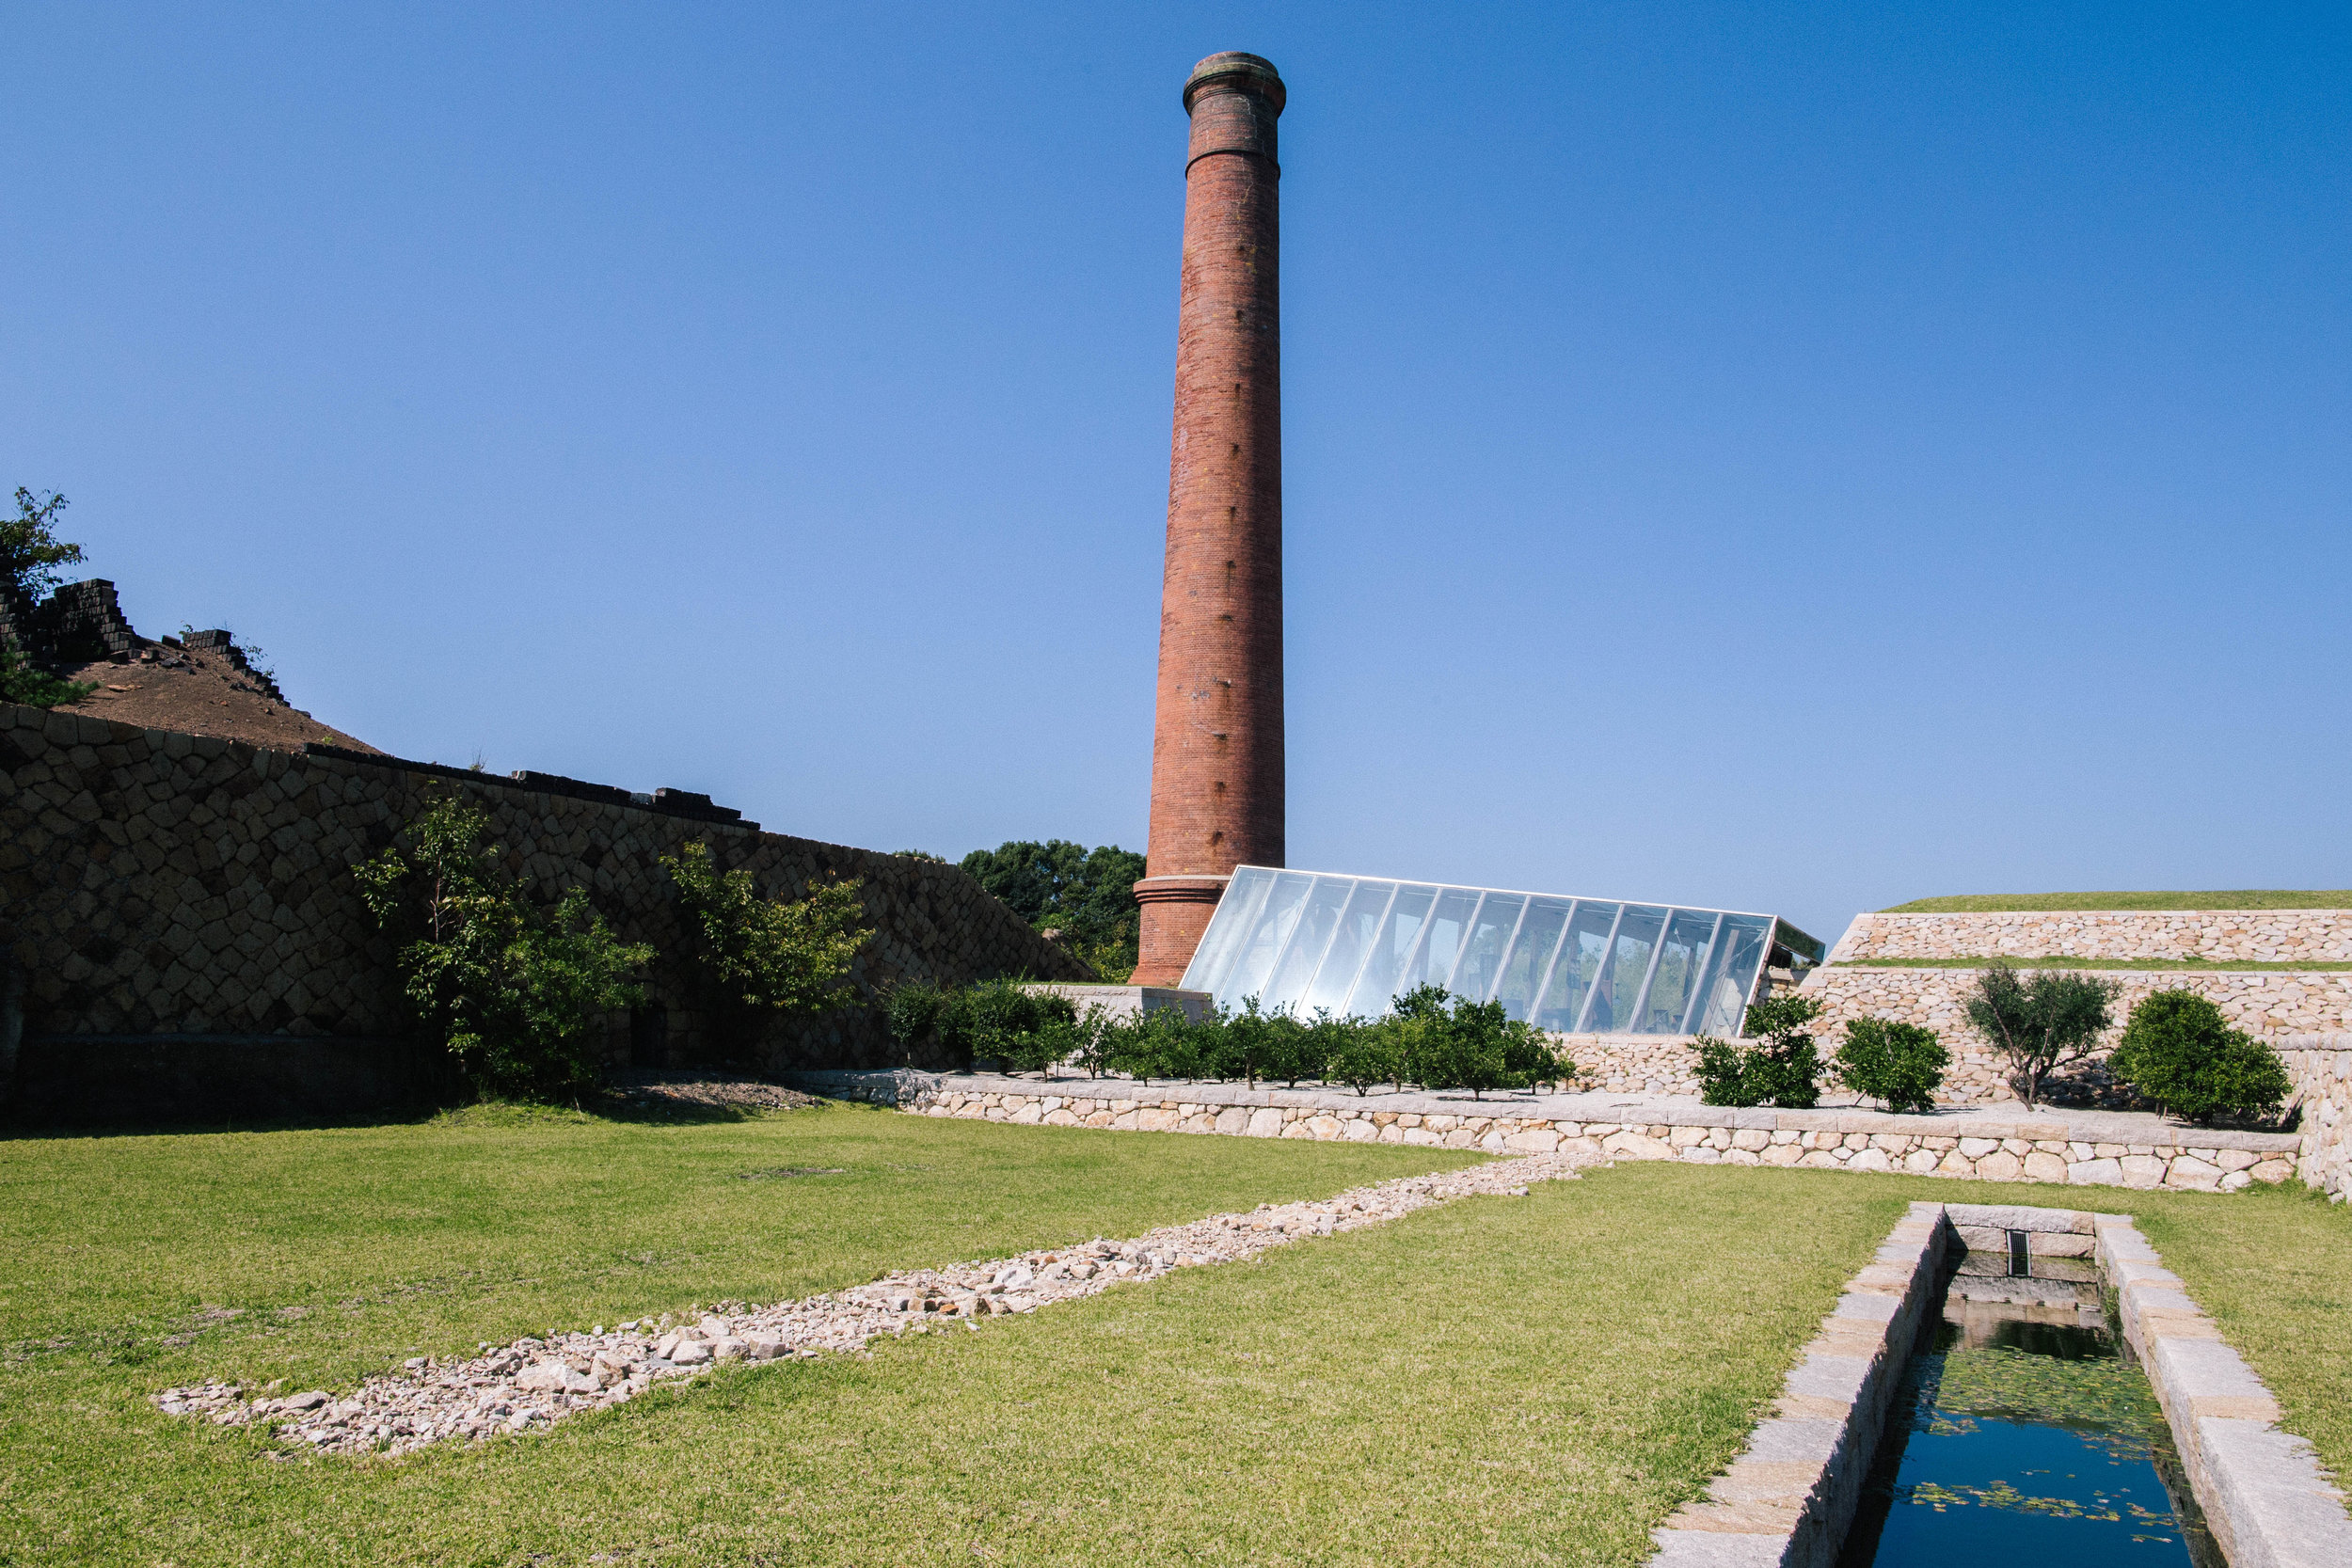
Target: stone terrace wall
<point>2268,936</point>
<point>2322,1066</point>
<point>1968,1147</point>
<point>160,884</point>
<point>2271,1005</point>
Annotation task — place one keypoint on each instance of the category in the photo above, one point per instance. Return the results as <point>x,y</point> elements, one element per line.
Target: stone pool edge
<point>1789,1497</point>
<point>2266,1499</point>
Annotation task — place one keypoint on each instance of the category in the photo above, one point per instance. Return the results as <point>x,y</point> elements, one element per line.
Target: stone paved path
<point>533,1382</point>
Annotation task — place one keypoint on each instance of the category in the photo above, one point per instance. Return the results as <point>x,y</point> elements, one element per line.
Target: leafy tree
<point>2037,1024</point>
<point>756,957</point>
<point>1468,1045</point>
<point>1782,1068</point>
<point>2179,1052</point>
<point>30,550</point>
<point>1901,1063</point>
<point>1087,894</point>
<point>511,990</point>
<point>1000,1020</point>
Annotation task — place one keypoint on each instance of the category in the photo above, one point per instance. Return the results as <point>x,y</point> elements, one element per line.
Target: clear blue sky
<point>1790,457</point>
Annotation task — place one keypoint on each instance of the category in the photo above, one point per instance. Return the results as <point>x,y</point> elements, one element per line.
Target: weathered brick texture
<point>1217,752</point>
<point>154,883</point>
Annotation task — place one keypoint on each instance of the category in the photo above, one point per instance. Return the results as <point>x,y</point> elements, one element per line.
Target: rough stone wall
<point>2322,1066</point>
<point>161,884</point>
<point>2268,936</point>
<point>1971,1148</point>
<point>2269,1004</point>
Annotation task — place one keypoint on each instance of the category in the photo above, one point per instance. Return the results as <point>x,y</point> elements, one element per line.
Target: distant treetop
<point>2239,899</point>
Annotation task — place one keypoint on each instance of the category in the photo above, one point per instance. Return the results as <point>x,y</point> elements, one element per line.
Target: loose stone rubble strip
<point>533,1382</point>
<point>2265,1497</point>
<point>2081,1148</point>
<point>1787,1500</point>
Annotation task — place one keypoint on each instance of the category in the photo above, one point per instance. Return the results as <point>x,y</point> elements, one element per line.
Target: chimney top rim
<point>1234,70</point>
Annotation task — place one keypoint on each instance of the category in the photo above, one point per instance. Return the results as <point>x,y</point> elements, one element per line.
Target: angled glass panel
<point>1268,933</point>
<point>1392,944</point>
<point>1720,1006</point>
<point>1580,960</point>
<point>1682,954</point>
<point>1618,986</point>
<point>1441,938</point>
<point>1481,963</point>
<point>1523,966</point>
<point>1318,919</point>
<point>1221,942</point>
<point>1359,924</point>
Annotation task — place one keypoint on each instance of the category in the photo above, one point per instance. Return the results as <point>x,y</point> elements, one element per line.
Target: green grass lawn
<point>2238,898</point>
<point>2059,960</point>
<point>1534,1380</point>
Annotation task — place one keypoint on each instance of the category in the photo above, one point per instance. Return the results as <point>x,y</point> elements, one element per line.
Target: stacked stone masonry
<point>2322,1068</point>
<point>156,883</point>
<point>2238,936</point>
<point>1978,1148</point>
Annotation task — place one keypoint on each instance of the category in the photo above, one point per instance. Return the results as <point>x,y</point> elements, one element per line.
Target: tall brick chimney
<point>1216,748</point>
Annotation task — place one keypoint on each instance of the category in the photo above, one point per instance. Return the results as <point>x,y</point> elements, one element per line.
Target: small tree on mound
<point>2179,1051</point>
<point>2044,1022</point>
<point>1901,1063</point>
<point>511,988</point>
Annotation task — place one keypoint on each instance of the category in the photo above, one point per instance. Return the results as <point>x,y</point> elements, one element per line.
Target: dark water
<point>2020,1436</point>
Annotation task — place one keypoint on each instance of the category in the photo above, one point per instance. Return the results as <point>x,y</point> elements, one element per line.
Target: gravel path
<point>533,1382</point>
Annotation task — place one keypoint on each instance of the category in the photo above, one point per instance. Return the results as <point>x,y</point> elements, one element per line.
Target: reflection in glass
<point>1524,966</point>
<point>1441,940</point>
<point>1318,919</point>
<point>1722,1005</point>
<point>1349,943</point>
<point>1580,959</point>
<point>1302,940</point>
<point>1396,938</point>
<point>1268,933</point>
<point>1676,975</point>
<point>1609,1009</point>
<point>1481,963</point>
<point>1236,914</point>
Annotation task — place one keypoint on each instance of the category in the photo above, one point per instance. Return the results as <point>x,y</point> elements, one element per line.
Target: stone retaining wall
<point>154,883</point>
<point>2322,1066</point>
<point>2270,1006</point>
<point>1976,1148</point>
<point>2262,935</point>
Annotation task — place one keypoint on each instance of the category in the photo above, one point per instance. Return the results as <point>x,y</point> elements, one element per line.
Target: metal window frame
<point>1608,955</point>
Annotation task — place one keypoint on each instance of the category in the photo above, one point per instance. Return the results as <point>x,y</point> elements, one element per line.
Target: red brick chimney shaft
<point>1217,750</point>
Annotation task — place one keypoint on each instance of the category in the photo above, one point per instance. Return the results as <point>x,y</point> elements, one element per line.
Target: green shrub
<point>2179,1051</point>
<point>997,1020</point>
<point>512,991</point>
<point>2039,1023</point>
<point>752,957</point>
<point>22,683</point>
<point>1899,1064</point>
<point>1437,1041</point>
<point>1781,1070</point>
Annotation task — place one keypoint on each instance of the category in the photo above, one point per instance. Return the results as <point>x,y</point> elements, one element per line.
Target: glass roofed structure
<point>1305,940</point>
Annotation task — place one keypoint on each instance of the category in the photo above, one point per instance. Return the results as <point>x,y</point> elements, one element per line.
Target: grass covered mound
<point>1526,1380</point>
<point>2240,898</point>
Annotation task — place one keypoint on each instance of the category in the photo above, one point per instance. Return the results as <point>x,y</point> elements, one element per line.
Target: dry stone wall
<point>2267,936</point>
<point>155,884</point>
<point>2099,1151</point>
<point>2322,1067</point>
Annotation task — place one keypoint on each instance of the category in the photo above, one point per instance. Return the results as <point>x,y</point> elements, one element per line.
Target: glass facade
<point>1305,940</point>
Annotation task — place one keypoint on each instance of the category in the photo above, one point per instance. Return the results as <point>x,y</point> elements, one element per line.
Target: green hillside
<point>2240,898</point>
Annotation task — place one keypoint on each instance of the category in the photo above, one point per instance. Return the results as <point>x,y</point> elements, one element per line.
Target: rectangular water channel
<point>2024,1430</point>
